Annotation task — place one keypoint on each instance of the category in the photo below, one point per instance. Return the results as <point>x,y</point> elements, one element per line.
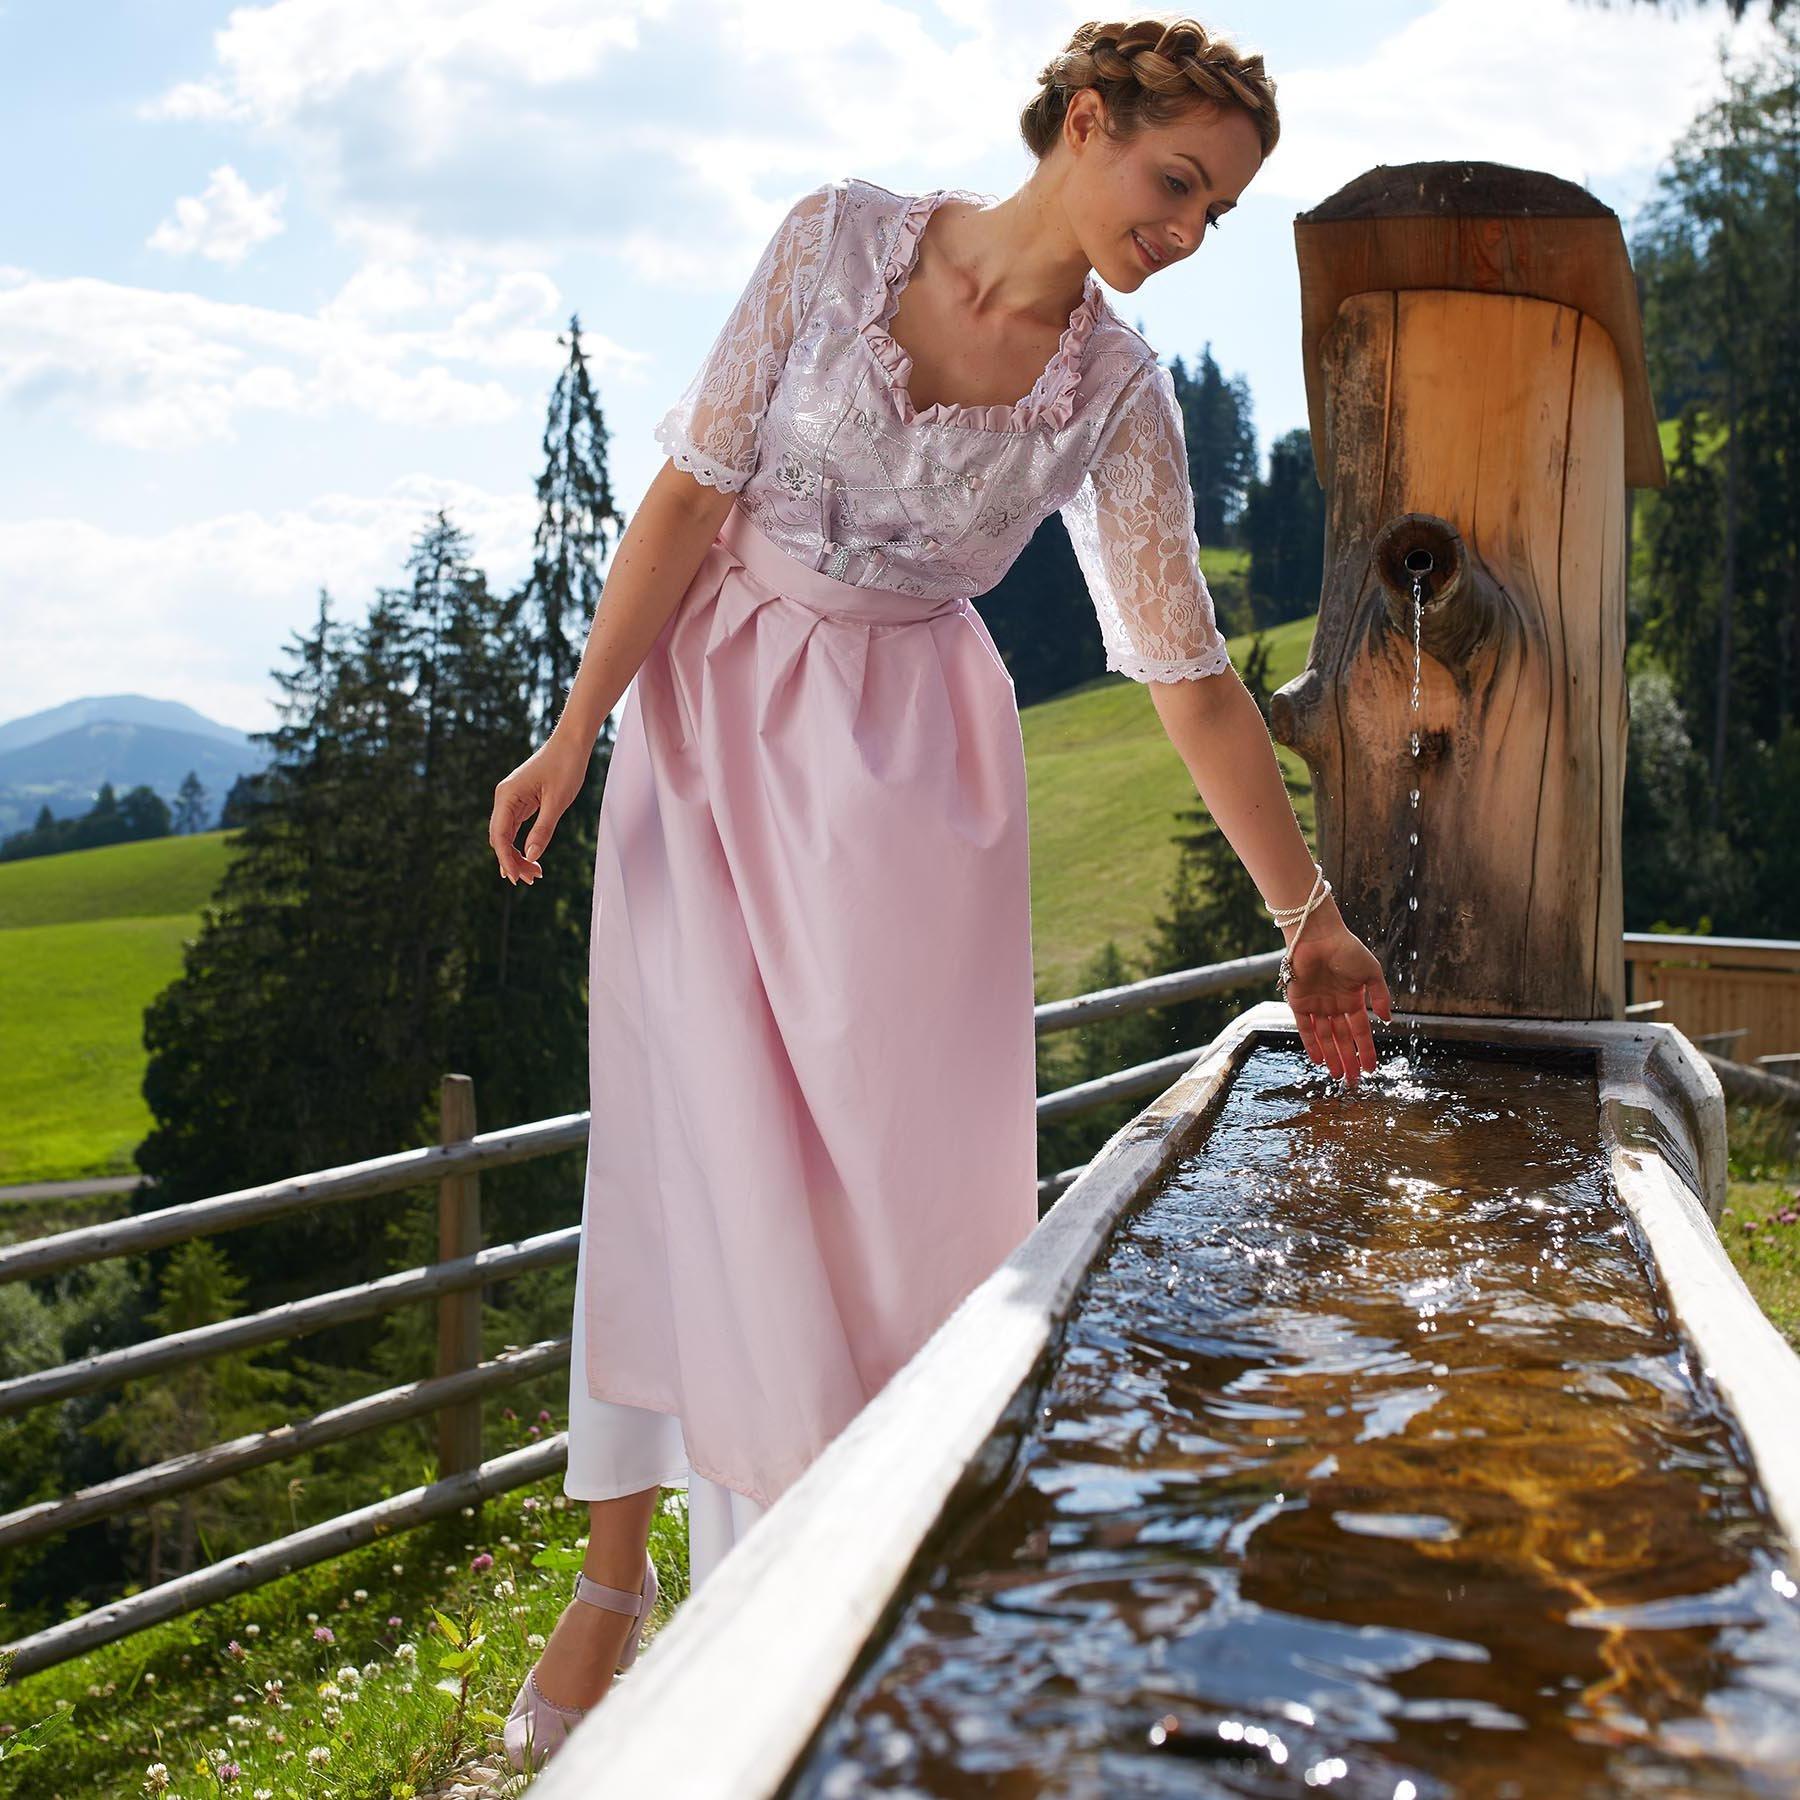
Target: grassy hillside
<point>1105,783</point>
<point>87,940</point>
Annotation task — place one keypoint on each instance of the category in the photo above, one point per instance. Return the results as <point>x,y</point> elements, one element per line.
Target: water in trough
<point>1368,1461</point>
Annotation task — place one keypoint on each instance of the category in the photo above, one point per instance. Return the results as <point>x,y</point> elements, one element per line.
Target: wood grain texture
<point>1489,430</point>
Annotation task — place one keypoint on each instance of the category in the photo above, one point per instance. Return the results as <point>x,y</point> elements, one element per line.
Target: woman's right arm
<point>650,571</point>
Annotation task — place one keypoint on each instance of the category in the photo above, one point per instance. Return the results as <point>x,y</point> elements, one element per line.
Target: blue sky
<point>277,280</point>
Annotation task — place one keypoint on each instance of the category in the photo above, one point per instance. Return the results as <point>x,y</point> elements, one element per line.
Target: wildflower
<point>319,1755</point>
<point>511,1417</point>
<point>272,1688</point>
<point>360,1595</point>
<point>149,1678</point>
<point>323,1634</point>
<point>533,1431</point>
<point>93,1690</point>
<point>312,1618</point>
<point>530,1503</point>
<point>468,1512</point>
<point>331,1714</point>
<point>534,1640</point>
<point>504,1589</point>
<point>481,1563</point>
<point>156,1778</point>
<point>252,1631</point>
<point>343,1605</point>
<point>227,1773</point>
<point>451,1569</point>
<point>349,1675</point>
<point>371,1668</point>
<point>263,1794</point>
<point>399,1568</point>
<point>406,1652</point>
<point>544,1416</point>
<point>238,1722</point>
<point>220,1756</point>
<point>236,1651</point>
<point>394,1621</point>
<point>275,1735</point>
<point>329,1690</point>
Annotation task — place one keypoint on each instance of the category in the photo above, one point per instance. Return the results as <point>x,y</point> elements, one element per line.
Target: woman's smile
<point>1152,260</point>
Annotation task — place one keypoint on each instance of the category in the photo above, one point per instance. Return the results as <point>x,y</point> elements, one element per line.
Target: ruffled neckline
<point>1051,401</point>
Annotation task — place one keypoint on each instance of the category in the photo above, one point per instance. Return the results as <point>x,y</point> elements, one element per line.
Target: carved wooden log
<point>1473,419</point>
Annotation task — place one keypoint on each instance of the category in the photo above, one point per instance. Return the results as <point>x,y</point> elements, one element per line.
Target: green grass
<point>1760,1222</point>
<point>72,1001</point>
<point>1105,784</point>
<point>392,1700</point>
<point>154,879</point>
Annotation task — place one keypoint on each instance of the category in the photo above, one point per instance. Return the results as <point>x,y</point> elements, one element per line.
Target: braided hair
<point>1148,71</point>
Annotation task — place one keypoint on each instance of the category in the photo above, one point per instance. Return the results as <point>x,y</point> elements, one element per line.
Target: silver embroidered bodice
<point>802,408</point>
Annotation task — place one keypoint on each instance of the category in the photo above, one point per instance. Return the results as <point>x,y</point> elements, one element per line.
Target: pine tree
<point>1284,527</point>
<point>1221,446</point>
<point>187,1410</point>
<point>190,805</point>
<point>576,514</point>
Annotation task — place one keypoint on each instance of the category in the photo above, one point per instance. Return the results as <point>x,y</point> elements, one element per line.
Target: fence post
<point>459,1315</point>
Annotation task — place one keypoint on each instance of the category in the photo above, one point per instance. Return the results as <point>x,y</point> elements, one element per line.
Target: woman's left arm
<point>1218,730</point>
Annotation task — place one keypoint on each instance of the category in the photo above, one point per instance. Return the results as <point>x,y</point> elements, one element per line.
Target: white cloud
<point>225,223</point>
<point>201,612</point>
<point>161,371</point>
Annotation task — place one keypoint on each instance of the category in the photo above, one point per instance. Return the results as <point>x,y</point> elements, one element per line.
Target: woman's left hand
<point>1336,980</point>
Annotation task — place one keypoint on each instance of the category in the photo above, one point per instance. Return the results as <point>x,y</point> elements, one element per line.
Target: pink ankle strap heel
<point>537,1726</point>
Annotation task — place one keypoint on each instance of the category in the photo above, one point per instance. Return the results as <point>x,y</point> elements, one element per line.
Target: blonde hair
<point>1148,71</point>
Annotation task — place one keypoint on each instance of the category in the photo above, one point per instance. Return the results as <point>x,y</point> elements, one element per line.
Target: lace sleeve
<point>1132,526</point>
<point>712,430</point>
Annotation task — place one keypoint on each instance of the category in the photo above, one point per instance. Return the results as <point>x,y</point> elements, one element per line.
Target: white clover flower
<point>263,1794</point>
<point>252,1631</point>
<point>328,1690</point>
<point>349,1674</point>
<point>156,1778</point>
<point>399,1568</point>
<point>360,1594</point>
<point>319,1755</point>
<point>468,1512</point>
<point>406,1652</point>
<point>504,1589</point>
<point>312,1618</point>
<point>331,1714</point>
<point>451,1569</point>
<point>149,1678</point>
<point>237,1721</point>
<point>371,1668</point>
<point>534,1640</point>
<point>221,1756</point>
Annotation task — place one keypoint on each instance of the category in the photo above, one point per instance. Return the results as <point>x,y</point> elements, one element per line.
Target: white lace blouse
<point>802,408</point>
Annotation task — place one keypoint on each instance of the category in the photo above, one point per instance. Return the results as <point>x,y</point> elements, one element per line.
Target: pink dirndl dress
<point>812,1048</point>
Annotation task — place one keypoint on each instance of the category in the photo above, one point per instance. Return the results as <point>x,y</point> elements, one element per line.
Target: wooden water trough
<point>1478,391</point>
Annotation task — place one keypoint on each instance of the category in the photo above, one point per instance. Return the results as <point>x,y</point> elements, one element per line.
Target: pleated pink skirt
<point>812,1052</point>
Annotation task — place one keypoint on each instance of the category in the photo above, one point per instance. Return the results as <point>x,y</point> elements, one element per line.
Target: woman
<point>813,1054</point>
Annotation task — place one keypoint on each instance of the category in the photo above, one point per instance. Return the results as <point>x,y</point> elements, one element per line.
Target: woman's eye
<point>1179,186</point>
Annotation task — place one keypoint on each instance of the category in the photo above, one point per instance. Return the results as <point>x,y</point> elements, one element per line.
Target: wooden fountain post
<point>1477,391</point>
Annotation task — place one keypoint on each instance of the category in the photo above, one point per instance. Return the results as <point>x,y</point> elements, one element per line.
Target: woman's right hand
<point>544,784</point>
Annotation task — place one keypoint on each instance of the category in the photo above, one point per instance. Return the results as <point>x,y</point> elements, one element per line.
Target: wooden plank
<point>372,1412</point>
<point>299,1550</point>
<point>1482,228</point>
<point>295,1319</point>
<point>298,1193</point>
<point>459,1312</point>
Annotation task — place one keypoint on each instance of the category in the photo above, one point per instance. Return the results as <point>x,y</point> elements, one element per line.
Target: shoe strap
<point>613,1599</point>
<point>573,1712</point>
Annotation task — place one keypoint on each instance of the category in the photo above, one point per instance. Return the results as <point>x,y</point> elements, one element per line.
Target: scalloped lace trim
<point>1142,669</point>
<point>684,455</point>
<point>1051,400</point>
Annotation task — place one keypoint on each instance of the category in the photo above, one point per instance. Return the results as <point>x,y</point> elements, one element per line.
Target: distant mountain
<point>60,756</point>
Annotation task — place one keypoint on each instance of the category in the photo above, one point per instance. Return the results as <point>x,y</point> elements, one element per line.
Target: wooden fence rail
<point>454,1394</point>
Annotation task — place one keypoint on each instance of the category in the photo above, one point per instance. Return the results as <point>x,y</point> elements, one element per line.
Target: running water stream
<point>1418,565</point>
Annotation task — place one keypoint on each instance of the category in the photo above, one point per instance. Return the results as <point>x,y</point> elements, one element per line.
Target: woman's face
<point>1160,191</point>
